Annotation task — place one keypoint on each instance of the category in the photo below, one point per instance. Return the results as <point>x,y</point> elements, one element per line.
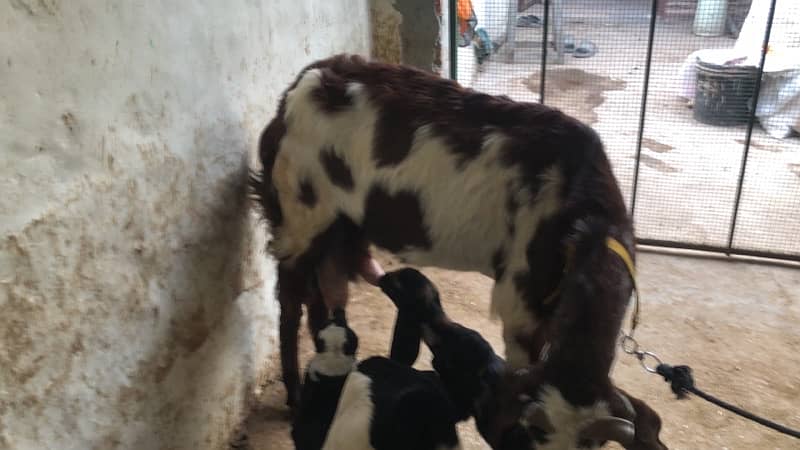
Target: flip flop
<point>585,49</point>
<point>529,21</point>
<point>568,46</point>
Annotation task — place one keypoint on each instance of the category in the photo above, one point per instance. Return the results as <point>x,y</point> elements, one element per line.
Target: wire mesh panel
<point>768,214</point>
<point>595,71</point>
<point>694,129</point>
<point>672,88</point>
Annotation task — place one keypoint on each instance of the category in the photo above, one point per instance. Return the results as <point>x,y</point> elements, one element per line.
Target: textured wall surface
<point>136,305</point>
<point>420,31</point>
<point>385,26</point>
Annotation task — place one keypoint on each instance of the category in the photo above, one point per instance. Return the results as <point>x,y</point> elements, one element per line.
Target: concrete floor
<point>689,171</point>
<point>735,323</point>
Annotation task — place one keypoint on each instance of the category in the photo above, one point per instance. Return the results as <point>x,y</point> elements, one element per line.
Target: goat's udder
<point>333,279</point>
<point>371,270</point>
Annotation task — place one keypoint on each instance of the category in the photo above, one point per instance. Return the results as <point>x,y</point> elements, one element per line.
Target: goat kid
<point>523,409</point>
<point>364,153</point>
<point>385,403</point>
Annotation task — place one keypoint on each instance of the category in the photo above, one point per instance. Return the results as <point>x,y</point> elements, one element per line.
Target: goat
<point>386,404</point>
<point>335,345</point>
<point>364,153</point>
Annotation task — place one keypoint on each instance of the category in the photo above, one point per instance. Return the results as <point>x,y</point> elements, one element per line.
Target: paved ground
<point>734,323</point>
<point>689,171</point>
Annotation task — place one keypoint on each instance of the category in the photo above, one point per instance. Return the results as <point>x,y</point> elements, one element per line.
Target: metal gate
<point>700,165</point>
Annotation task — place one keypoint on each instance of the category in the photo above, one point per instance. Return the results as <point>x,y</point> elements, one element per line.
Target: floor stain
<point>575,91</point>
<point>654,145</point>
<point>795,168</point>
<point>760,146</point>
<point>657,164</point>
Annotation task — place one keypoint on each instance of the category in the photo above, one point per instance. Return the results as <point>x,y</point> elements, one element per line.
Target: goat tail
<point>263,193</point>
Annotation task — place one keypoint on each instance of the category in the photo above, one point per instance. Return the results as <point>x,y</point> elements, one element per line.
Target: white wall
<point>136,305</point>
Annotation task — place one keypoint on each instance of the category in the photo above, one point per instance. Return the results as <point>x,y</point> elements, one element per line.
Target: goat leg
<point>291,312</point>
<point>332,279</point>
<point>293,290</point>
<point>317,311</point>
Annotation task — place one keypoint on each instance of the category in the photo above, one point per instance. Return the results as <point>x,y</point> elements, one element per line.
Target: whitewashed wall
<point>136,305</point>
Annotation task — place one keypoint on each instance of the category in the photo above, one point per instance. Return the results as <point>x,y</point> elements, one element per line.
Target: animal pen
<point>697,101</point>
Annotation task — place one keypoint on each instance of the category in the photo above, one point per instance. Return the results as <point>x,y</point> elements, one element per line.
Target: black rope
<point>682,382</point>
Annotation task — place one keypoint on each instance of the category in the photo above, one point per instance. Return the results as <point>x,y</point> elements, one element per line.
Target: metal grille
<point>671,86</point>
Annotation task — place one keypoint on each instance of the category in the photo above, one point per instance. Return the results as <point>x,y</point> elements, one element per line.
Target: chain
<point>649,360</point>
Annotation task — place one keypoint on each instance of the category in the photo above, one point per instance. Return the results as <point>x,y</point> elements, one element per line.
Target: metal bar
<point>750,124</point>
<point>452,21</point>
<point>542,72</point>
<point>558,30</point>
<point>718,249</point>
<point>716,255</point>
<point>511,31</point>
<point>643,107</point>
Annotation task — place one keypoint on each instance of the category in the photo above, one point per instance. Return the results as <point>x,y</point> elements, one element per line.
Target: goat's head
<point>528,411</point>
<point>467,365</point>
<point>335,346</point>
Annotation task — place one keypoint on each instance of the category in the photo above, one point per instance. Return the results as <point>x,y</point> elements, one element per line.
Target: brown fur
<point>581,323</point>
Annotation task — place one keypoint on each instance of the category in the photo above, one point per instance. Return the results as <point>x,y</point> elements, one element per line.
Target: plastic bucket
<point>723,95</point>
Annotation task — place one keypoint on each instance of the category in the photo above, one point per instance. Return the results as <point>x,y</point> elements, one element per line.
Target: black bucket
<point>724,94</point>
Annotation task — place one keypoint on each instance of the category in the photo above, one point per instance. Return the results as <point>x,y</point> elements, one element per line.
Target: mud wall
<point>136,305</point>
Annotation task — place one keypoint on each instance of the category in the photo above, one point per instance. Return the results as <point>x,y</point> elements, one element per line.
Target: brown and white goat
<point>364,153</point>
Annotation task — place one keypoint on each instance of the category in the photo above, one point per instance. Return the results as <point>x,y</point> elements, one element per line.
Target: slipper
<point>529,21</point>
<point>569,44</point>
<point>585,49</point>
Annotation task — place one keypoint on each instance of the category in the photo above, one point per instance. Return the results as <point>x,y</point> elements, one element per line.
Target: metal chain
<point>630,346</point>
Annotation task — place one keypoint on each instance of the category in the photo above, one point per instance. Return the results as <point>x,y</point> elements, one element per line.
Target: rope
<point>682,382</point>
<point>679,377</point>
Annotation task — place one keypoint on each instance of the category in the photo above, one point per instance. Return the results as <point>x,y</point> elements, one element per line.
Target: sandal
<point>529,21</point>
<point>585,49</point>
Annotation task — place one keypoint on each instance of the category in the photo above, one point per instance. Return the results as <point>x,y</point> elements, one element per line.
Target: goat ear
<point>609,429</point>
<point>351,344</point>
<point>319,344</point>
<point>406,338</point>
<point>339,317</point>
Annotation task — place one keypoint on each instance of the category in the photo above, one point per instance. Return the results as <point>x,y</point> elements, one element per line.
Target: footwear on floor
<point>529,21</point>
<point>585,49</point>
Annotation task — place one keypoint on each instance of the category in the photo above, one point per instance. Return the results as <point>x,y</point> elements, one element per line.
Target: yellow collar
<point>616,247</point>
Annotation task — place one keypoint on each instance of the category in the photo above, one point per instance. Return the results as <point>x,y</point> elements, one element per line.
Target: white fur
<point>464,207</point>
<point>351,424</point>
<point>567,420</point>
<point>331,362</point>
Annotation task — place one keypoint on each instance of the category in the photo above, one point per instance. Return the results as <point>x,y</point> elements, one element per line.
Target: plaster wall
<point>136,305</point>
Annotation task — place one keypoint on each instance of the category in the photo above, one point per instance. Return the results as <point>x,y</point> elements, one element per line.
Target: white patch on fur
<point>332,362</point>
<point>351,424</point>
<point>464,206</point>
<point>567,419</point>
<point>507,302</point>
<point>298,159</point>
